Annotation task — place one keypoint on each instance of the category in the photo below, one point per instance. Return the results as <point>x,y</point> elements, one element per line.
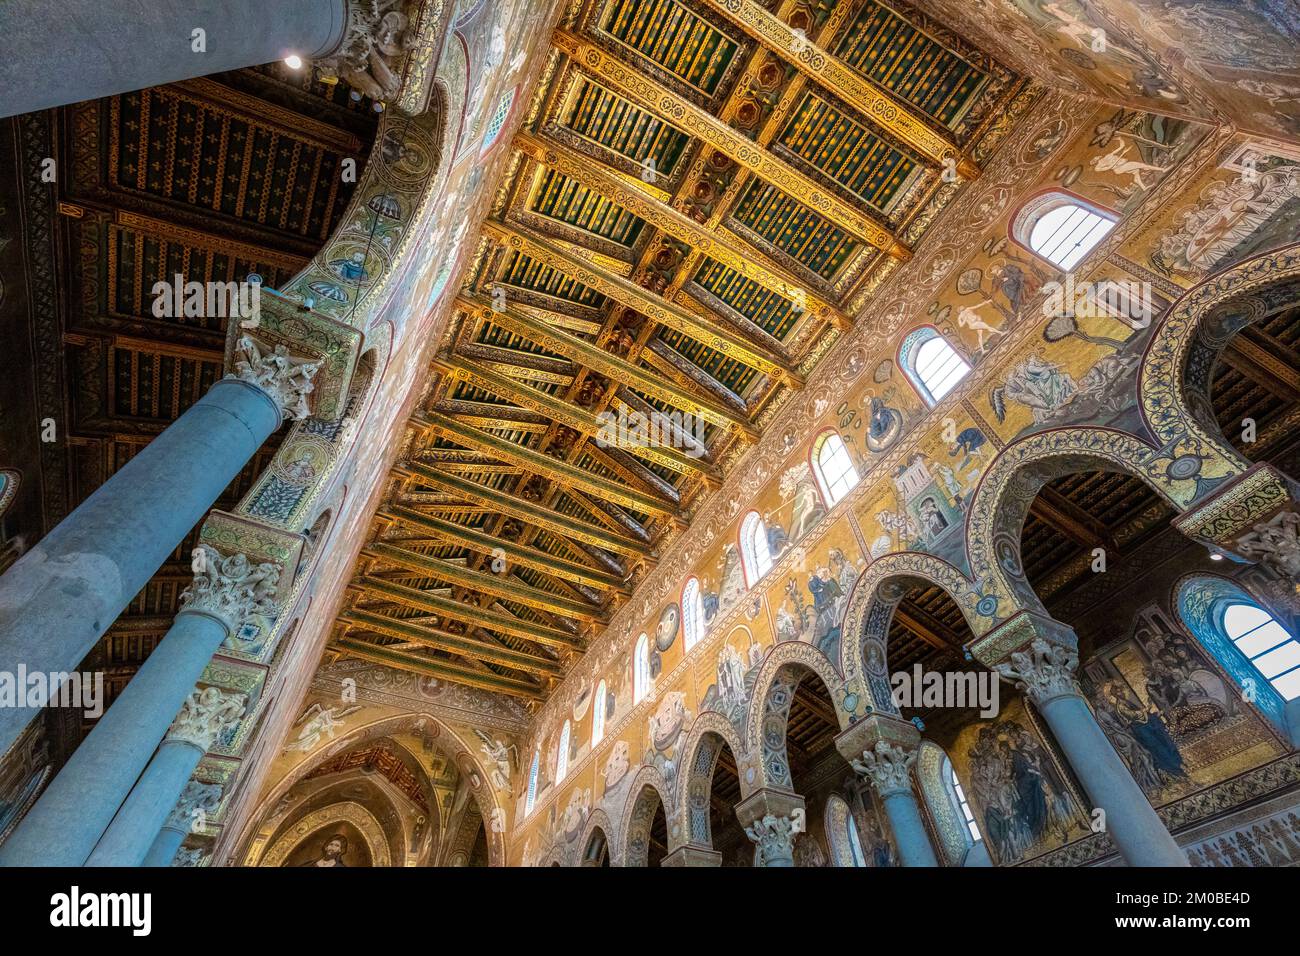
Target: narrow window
<point>833,468</point>
<point>641,669</point>
<point>755,553</point>
<point>692,614</point>
<point>598,715</point>
<point>931,364</point>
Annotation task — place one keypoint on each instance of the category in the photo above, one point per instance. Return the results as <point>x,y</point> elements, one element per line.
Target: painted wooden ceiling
<point>689,210</point>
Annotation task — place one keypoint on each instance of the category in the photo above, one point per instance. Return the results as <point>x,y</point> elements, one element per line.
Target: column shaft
<point>1134,827</point>
<point>73,813</point>
<point>164,847</point>
<point>54,52</point>
<point>58,599</point>
<point>133,831</point>
<point>914,845</point>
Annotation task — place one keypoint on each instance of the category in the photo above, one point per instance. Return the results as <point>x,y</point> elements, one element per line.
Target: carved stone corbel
<point>1255,516</point>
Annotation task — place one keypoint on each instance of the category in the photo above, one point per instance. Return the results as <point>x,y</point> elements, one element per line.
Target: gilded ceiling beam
<point>503,585</point>
<point>677,111</point>
<point>566,413</point>
<point>553,468</point>
<point>509,551</point>
<point>442,670</point>
<point>524,510</point>
<point>469,614</point>
<point>443,640</point>
<point>730,251</point>
<point>608,365</point>
<point>875,103</point>
<point>714,334</point>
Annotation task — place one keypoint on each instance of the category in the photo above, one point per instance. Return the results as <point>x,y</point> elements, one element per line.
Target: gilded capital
<point>205,715</point>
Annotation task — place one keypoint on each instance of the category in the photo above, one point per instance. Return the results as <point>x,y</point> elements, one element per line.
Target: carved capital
<point>1253,515</point>
<point>1044,672</point>
<point>375,42</point>
<point>303,360</point>
<point>287,380</point>
<point>197,796</point>
<point>205,715</point>
<point>774,836</point>
<point>888,767</point>
<point>1276,544</point>
<point>229,587</point>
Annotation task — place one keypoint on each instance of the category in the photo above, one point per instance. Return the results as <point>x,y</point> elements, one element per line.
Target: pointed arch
<point>785,667</point>
<point>864,651</point>
<point>447,741</point>
<point>700,752</point>
<point>1178,364</point>
<point>692,614</point>
<point>648,791</point>
<point>641,669</point>
<point>1009,485</point>
<point>600,826</point>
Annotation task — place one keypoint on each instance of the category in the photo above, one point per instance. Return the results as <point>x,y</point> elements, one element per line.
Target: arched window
<point>1248,642</point>
<point>955,827</point>
<point>641,669</point>
<point>842,833</point>
<point>755,553</point>
<point>562,758</point>
<point>931,364</point>
<point>598,715</point>
<point>1268,646</point>
<point>1060,228</point>
<point>692,614</point>
<point>959,796</point>
<point>532,782</point>
<point>833,467</point>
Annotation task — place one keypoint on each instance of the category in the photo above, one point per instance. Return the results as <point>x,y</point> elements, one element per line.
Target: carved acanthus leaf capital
<point>197,798</point>
<point>1276,544</point>
<point>230,587</point>
<point>1044,671</point>
<point>774,836</point>
<point>205,715</point>
<point>888,767</point>
<point>287,380</point>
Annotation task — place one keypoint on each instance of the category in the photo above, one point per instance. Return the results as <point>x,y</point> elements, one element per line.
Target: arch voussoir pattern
<point>785,666</point>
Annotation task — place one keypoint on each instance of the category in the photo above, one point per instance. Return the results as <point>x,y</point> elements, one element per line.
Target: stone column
<point>63,594</point>
<point>1042,664</point>
<point>71,816</point>
<point>772,819</point>
<point>206,714</point>
<point>197,797</point>
<point>883,749</point>
<point>54,52</point>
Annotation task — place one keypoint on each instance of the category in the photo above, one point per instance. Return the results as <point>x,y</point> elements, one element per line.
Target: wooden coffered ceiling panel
<point>690,208</point>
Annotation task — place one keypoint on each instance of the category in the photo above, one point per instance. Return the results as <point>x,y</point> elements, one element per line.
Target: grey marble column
<point>1045,673</point>
<point>63,594</point>
<point>889,768</point>
<point>54,52</point>
<point>164,796</point>
<point>72,815</point>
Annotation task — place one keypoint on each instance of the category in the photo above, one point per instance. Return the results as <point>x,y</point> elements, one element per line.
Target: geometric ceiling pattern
<point>700,199</point>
